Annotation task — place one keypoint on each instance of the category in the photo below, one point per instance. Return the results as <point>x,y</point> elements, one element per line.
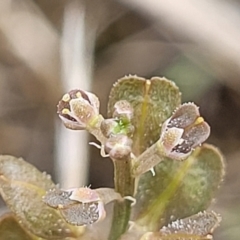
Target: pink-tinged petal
<point>57,198</point>
<point>123,110</point>
<point>78,108</point>
<point>72,123</point>
<point>197,134</point>
<point>191,138</point>
<point>81,206</point>
<point>171,138</point>
<point>186,120</point>
<point>83,214</point>
<point>118,146</point>
<point>84,195</point>
<point>184,116</point>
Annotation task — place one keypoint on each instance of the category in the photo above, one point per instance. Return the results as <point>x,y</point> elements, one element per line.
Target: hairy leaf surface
<point>10,229</point>
<point>179,189</point>
<point>22,187</point>
<point>153,101</point>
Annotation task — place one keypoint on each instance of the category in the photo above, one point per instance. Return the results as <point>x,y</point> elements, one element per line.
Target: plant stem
<point>94,129</point>
<point>124,184</point>
<point>148,159</point>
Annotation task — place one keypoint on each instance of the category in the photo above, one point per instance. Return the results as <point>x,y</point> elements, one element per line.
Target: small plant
<point>164,178</point>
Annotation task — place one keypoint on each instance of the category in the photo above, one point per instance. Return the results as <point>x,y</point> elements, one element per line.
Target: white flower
<point>78,109</point>
<point>81,206</point>
<point>183,131</point>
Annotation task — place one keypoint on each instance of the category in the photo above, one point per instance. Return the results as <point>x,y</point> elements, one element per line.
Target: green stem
<point>124,184</point>
<point>148,159</point>
<point>94,128</point>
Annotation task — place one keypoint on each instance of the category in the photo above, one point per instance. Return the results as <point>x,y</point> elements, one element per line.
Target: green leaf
<point>176,236</point>
<point>22,187</point>
<point>179,189</point>
<point>153,102</point>
<point>10,229</point>
<point>201,224</point>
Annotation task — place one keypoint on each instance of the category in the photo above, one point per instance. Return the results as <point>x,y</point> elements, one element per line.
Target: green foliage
<point>153,102</point>
<point>144,131</point>
<point>10,229</point>
<point>22,188</point>
<point>179,189</point>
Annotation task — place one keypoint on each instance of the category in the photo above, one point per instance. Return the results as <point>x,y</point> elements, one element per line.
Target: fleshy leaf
<point>197,227</point>
<point>174,236</point>
<point>201,224</point>
<point>22,187</point>
<point>10,229</point>
<point>179,189</point>
<point>153,102</point>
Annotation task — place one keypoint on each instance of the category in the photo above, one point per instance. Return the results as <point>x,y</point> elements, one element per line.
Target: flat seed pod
<point>22,187</point>
<point>153,101</point>
<point>179,189</point>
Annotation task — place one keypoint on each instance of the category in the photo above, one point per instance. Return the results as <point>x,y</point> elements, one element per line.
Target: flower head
<point>183,131</point>
<point>79,206</point>
<point>77,109</point>
<point>123,110</point>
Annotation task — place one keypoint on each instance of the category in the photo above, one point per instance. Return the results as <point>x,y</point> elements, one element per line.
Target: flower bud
<point>77,109</point>
<point>118,146</point>
<point>109,127</point>
<point>183,131</point>
<point>123,110</point>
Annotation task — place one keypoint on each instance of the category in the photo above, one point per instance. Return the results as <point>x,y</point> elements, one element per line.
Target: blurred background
<point>48,47</point>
